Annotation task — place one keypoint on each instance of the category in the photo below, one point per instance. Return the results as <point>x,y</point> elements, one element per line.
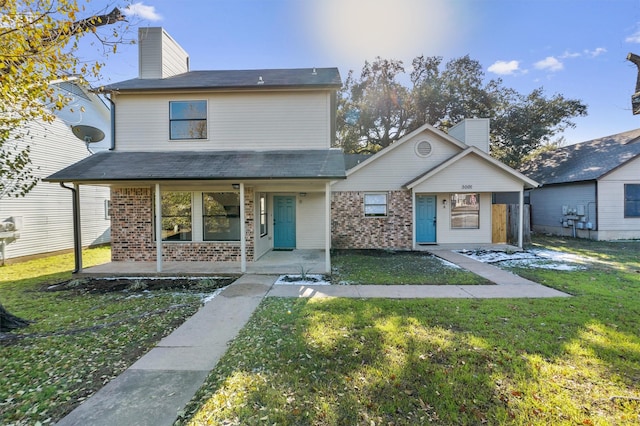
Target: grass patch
<point>79,340</point>
<point>405,362</point>
<point>379,267</point>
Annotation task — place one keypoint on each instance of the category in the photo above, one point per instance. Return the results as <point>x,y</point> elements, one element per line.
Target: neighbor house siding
<point>394,169</point>
<point>47,211</point>
<point>236,121</point>
<point>350,229</point>
<point>547,201</point>
<point>133,235</point>
<point>612,223</point>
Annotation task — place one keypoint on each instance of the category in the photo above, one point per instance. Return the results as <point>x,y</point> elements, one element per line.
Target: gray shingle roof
<point>584,161</point>
<point>204,165</point>
<point>237,79</point>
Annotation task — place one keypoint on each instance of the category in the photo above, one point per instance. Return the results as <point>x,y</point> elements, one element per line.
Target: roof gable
<point>585,161</point>
<point>403,140</point>
<point>485,159</point>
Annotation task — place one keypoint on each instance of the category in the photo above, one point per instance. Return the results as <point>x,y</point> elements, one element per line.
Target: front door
<point>284,222</point>
<point>425,219</point>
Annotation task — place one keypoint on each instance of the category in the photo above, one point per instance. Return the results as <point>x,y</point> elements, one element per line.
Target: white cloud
<point>596,52</point>
<point>549,63</point>
<point>143,11</point>
<point>504,67</point>
<point>568,54</point>
<point>633,38</point>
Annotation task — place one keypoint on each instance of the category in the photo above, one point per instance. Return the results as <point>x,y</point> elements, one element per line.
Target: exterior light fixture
<point>235,185</point>
<point>444,203</point>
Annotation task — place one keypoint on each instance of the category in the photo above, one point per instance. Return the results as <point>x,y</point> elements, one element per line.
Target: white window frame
<point>385,204</point>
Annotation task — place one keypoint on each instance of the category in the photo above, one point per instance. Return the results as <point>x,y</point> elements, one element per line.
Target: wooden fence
<point>505,223</point>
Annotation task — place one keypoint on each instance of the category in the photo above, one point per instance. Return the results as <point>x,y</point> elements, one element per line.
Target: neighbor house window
<point>632,200</point>
<point>375,205</point>
<point>263,215</point>
<point>188,120</point>
<point>465,211</point>
<point>176,216</point>
<point>221,216</point>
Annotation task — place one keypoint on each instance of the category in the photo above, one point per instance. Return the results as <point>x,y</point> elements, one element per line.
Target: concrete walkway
<point>160,384</point>
<point>154,389</point>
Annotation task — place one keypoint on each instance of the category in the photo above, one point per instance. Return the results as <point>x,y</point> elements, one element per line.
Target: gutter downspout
<point>112,111</point>
<point>77,239</point>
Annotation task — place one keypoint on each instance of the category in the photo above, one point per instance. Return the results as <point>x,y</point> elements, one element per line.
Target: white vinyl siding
<point>473,132</point>
<point>236,121</point>
<point>398,166</point>
<point>47,215</point>
<point>160,56</point>
<point>612,223</point>
<point>310,221</point>
<point>470,174</point>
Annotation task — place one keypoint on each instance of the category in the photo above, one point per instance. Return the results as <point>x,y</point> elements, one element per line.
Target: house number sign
<point>467,186</point>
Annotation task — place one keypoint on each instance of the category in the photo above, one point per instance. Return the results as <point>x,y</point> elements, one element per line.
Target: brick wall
<point>351,229</point>
<point>132,234</point>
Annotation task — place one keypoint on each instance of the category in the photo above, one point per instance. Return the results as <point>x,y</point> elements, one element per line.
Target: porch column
<point>327,227</point>
<point>243,243</point>
<point>158,229</point>
<point>521,219</point>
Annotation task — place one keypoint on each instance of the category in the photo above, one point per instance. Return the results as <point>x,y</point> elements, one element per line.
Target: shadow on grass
<point>411,362</point>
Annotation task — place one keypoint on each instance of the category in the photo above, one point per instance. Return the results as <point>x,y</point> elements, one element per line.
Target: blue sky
<point>577,48</point>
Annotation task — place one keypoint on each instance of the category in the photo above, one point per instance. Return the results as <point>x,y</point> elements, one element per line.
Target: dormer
<point>159,55</point>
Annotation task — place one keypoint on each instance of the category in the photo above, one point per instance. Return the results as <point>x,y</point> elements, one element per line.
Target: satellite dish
<point>88,134</point>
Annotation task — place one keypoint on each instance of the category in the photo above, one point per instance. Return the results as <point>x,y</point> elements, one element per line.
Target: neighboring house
<point>243,165</point>
<point>590,189</point>
<point>44,217</point>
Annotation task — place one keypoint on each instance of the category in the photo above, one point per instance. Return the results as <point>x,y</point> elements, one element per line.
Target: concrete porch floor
<point>273,262</point>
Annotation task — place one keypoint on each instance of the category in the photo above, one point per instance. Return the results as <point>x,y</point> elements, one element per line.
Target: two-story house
<point>226,166</point>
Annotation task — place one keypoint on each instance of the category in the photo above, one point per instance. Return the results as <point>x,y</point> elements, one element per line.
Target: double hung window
<point>187,120</point>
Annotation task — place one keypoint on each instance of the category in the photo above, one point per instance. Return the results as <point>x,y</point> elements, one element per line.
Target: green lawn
<point>571,361</point>
<point>380,267</point>
<point>78,341</point>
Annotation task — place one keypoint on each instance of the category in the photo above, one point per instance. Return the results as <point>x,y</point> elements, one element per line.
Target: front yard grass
<point>78,341</point>
<point>380,267</point>
<point>567,361</point>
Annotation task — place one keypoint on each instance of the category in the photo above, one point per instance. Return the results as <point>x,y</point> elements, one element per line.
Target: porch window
<point>465,211</point>
<point>176,216</point>
<point>221,216</point>
<point>375,205</point>
<point>187,120</point>
<point>632,200</point>
<point>264,230</point>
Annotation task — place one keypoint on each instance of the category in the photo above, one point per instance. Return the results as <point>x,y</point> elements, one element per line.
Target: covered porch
<point>274,262</point>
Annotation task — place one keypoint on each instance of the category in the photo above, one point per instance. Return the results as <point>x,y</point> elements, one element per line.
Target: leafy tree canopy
<point>376,109</point>
<point>38,44</point>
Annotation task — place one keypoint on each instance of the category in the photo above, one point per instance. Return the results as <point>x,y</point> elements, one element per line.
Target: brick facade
<point>132,234</point>
<point>350,229</point>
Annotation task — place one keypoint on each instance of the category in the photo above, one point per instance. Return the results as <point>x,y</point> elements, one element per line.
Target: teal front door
<point>425,219</point>
<point>284,222</point>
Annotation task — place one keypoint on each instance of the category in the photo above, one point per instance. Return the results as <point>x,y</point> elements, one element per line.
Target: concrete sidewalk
<point>160,384</point>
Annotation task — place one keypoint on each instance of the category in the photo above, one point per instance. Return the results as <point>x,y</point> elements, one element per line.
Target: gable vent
<point>423,148</point>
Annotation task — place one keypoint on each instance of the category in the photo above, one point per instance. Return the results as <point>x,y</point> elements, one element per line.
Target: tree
<point>375,110</point>
<point>38,43</point>
<point>442,96</point>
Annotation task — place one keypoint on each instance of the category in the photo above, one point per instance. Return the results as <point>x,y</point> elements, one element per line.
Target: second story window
<point>187,120</point>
